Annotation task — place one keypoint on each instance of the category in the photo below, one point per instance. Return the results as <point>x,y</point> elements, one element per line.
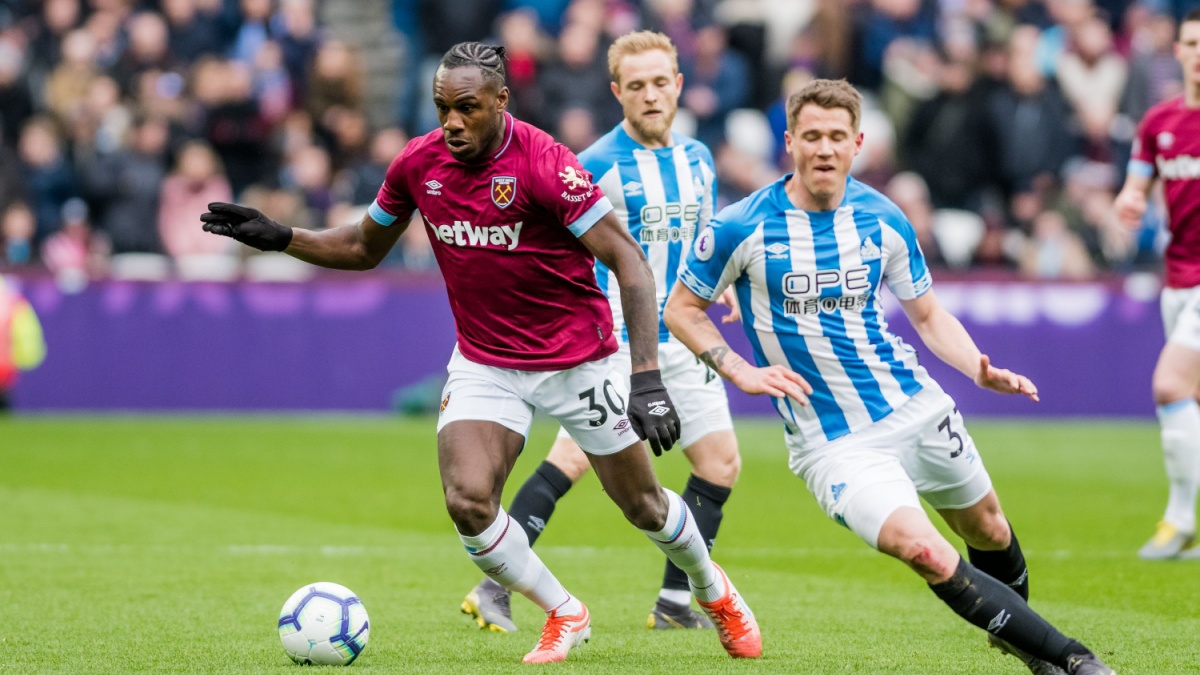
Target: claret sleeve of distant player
<point>394,201</point>
<point>566,189</point>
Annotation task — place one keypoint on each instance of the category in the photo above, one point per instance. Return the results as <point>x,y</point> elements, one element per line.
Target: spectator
<point>192,33</point>
<point>49,182</point>
<point>70,80</point>
<point>336,81</point>
<point>126,182</point>
<point>1031,120</point>
<point>358,184</point>
<point>715,83</point>
<point>16,101</point>
<point>1092,77</point>
<point>299,41</point>
<point>235,127</point>
<point>197,180</point>
<point>309,174</point>
<point>1053,251</point>
<point>17,227</point>
<point>950,141</point>
<point>577,78</point>
<point>147,50</point>
<point>910,193</point>
<point>74,253</point>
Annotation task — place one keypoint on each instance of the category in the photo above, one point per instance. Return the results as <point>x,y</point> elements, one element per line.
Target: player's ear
<point>502,99</point>
<point>858,144</point>
<point>616,89</point>
<point>787,141</point>
<point>678,82</point>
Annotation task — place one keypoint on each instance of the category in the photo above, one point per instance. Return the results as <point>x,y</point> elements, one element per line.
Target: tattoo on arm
<point>722,360</point>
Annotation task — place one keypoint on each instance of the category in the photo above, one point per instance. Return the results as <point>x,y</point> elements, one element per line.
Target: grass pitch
<point>169,545</point>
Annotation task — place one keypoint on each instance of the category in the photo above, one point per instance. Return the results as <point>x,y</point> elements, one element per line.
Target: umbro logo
<point>536,524</point>
<point>659,410</point>
<point>777,250</point>
<point>434,187</point>
<point>999,621</point>
<point>837,490</point>
<point>632,188</point>
<point>869,251</point>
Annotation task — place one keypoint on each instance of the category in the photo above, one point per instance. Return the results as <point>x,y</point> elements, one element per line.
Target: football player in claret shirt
<point>807,256</point>
<point>1167,148</point>
<point>516,226</point>
<point>663,187</point>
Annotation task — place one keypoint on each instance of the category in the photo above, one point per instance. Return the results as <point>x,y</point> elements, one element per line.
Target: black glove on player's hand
<point>246,225</point>
<point>652,412</point>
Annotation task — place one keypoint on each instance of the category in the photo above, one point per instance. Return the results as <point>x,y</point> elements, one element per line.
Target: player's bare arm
<point>1130,203</point>
<point>686,318</point>
<point>946,337</point>
<point>350,247</point>
<point>612,245</point>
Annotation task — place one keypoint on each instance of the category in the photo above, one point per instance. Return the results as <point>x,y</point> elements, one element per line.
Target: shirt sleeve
<point>1145,147</point>
<point>394,200</point>
<point>905,270</point>
<point>711,264</point>
<point>565,188</point>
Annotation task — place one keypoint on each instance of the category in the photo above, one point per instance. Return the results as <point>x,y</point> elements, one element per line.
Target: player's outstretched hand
<point>246,225</point>
<point>729,300</point>
<point>1003,381</point>
<point>1130,206</point>
<point>651,411</point>
<point>777,381</point>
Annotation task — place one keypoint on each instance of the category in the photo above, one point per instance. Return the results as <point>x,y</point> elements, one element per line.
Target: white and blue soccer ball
<point>323,623</point>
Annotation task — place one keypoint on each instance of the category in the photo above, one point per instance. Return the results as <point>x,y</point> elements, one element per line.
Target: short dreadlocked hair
<point>489,59</point>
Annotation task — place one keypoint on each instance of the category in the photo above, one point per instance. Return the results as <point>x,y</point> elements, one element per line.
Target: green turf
<point>168,545</point>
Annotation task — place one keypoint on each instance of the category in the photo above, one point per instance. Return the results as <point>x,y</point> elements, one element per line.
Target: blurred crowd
<point>1001,127</point>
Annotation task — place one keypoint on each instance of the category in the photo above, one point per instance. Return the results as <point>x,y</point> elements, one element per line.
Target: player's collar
<point>638,145</point>
<point>508,135</point>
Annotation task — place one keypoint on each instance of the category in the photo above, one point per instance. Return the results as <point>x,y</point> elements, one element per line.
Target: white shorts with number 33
<point>921,448</point>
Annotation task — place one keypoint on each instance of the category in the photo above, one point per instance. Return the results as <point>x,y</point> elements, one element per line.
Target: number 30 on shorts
<point>611,396</point>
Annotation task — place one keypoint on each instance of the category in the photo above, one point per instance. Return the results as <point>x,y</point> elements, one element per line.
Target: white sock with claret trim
<point>680,539</point>
<point>1180,423</point>
<point>502,551</point>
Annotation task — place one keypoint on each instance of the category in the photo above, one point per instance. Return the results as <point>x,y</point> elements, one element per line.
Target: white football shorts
<point>1181,316</point>
<point>698,392</point>
<point>922,448</point>
<point>588,400</point>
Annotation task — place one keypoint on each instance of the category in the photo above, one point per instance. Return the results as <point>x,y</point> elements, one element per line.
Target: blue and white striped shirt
<point>664,196</point>
<point>808,284</point>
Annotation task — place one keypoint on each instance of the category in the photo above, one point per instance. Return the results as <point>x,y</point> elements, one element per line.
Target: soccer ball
<point>323,623</point>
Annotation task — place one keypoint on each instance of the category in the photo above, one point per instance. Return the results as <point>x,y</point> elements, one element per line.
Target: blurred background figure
<point>197,179</point>
<point>22,346</point>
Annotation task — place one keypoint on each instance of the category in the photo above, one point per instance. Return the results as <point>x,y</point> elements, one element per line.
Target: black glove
<point>652,412</point>
<point>247,225</point>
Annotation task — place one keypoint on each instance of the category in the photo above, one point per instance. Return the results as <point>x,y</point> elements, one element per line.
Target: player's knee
<point>990,533</point>
<point>647,511</point>
<point>717,463</point>
<point>1169,388</point>
<point>928,559</point>
<point>471,513</point>
<point>569,459</point>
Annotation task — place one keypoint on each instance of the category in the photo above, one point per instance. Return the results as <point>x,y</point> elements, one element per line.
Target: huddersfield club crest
<point>504,190</point>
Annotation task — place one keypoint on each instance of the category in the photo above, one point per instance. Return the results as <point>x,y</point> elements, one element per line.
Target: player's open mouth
<point>457,143</point>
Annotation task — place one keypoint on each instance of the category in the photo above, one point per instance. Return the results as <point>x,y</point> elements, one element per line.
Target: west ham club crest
<point>504,190</point>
